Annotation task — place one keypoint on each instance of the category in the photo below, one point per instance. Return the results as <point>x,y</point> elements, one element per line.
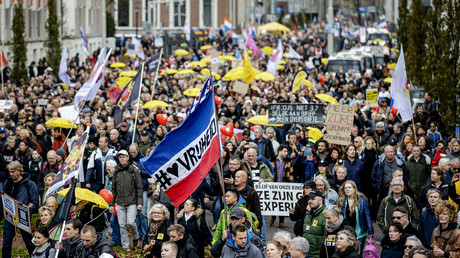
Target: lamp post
<point>137,18</point>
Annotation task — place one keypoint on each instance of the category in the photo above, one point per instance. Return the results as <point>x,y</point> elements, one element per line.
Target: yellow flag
<point>249,73</point>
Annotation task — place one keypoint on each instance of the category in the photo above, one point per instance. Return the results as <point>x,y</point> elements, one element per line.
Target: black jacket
<point>252,202</point>
<point>267,148</point>
<point>69,247</point>
<point>160,237</point>
<point>94,216</point>
<point>186,247</point>
<point>349,253</point>
<point>199,233</point>
<point>99,248</point>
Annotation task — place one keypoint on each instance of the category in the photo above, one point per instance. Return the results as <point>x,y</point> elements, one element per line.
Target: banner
<point>153,62</point>
<point>284,113</point>
<point>129,93</point>
<point>276,199</point>
<point>372,96</point>
<point>63,75</point>
<point>339,122</point>
<point>298,79</point>
<point>16,213</point>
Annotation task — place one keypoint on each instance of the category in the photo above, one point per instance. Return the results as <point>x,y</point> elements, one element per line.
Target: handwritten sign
<point>276,199</point>
<point>240,87</point>
<point>339,122</point>
<point>282,113</point>
<point>372,97</point>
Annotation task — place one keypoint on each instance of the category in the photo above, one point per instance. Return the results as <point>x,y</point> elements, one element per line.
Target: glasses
<point>397,185</point>
<point>409,246</point>
<point>397,217</point>
<point>456,169</point>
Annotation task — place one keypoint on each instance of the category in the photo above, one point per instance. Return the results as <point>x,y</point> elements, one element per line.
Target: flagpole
<point>138,98</point>
<point>156,74</point>
<point>219,165</point>
<point>65,220</point>
<point>74,121</point>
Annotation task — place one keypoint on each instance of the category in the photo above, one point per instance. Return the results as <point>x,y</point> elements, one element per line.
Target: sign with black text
<point>287,113</point>
<point>276,199</point>
<point>339,122</point>
<point>16,213</point>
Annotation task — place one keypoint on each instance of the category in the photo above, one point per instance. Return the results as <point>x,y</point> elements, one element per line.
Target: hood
<point>196,213</point>
<point>99,242</point>
<point>231,242</point>
<point>137,158</point>
<point>241,201</point>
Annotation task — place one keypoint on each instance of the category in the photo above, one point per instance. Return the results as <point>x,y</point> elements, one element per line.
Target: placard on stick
<point>17,214</point>
<point>287,113</point>
<point>240,87</point>
<point>339,122</point>
<point>278,198</point>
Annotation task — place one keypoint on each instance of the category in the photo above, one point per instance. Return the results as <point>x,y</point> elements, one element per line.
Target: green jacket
<point>389,204</point>
<point>221,227</point>
<point>127,186</point>
<point>265,172</point>
<point>419,172</point>
<point>314,226</point>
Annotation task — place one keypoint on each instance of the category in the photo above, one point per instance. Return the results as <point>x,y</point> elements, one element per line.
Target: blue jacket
<point>96,168</point>
<point>144,174</point>
<point>27,193</point>
<point>365,221</point>
<point>354,171</point>
<point>392,249</point>
<point>427,224</point>
<point>434,137</point>
<point>377,173</point>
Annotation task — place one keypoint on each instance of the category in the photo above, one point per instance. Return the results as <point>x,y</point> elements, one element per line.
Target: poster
<point>339,122</point>
<point>284,113</point>
<point>240,87</point>
<point>68,112</point>
<point>276,199</point>
<point>237,63</point>
<point>372,96</point>
<point>17,214</point>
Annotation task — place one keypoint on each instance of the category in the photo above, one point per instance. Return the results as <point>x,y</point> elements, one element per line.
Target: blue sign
<point>279,10</point>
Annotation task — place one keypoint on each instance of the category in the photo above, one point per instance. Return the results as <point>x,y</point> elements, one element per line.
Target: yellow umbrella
<point>87,195</point>
<point>327,98</point>
<point>197,64</point>
<point>265,76</point>
<point>118,65</point>
<point>314,133</point>
<point>324,60</point>
<point>387,80</point>
<point>280,67</point>
<point>132,55</point>
<point>261,120</point>
<point>181,52</point>
<point>185,71</point>
<point>267,51</point>
<point>169,71</point>
<point>155,103</point>
<point>236,73</point>
<point>282,62</point>
<point>308,84</point>
<point>207,72</point>
<point>122,81</point>
<point>226,58</point>
<point>191,92</point>
<point>128,73</point>
<point>205,60</point>
<point>205,47</point>
<point>60,122</point>
<point>392,66</point>
<point>274,27</point>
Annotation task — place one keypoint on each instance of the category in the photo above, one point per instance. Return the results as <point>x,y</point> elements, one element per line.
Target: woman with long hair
<point>346,245</point>
<point>355,210</point>
<point>446,237</point>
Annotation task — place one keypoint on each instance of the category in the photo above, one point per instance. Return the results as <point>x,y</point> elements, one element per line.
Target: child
<point>43,248</point>
<point>35,166</point>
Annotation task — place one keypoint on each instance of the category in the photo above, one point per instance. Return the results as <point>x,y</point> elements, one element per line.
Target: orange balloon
<point>106,195</point>
<point>162,119</point>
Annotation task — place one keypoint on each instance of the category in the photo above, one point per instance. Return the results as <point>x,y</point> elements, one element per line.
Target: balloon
<point>227,130</point>
<point>254,127</point>
<point>218,100</point>
<point>321,79</point>
<point>115,209</point>
<point>394,111</point>
<point>106,194</point>
<point>162,119</point>
<point>376,109</point>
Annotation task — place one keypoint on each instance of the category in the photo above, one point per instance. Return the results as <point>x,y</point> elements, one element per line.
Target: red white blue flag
<point>181,161</point>
<point>85,41</point>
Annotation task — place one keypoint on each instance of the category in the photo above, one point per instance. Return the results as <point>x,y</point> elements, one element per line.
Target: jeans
<point>216,210</point>
<point>127,218</point>
<point>142,221</point>
<point>362,242</point>
<point>8,234</point>
<point>262,231</point>
<point>115,229</point>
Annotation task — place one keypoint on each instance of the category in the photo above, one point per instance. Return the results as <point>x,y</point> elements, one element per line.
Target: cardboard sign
<point>5,104</point>
<point>339,122</point>
<point>276,199</point>
<point>372,96</point>
<point>17,214</point>
<point>124,59</point>
<point>237,63</point>
<point>240,87</point>
<point>42,102</point>
<point>255,64</point>
<point>284,113</point>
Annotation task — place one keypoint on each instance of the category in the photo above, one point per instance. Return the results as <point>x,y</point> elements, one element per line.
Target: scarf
<point>153,229</point>
<point>333,227</point>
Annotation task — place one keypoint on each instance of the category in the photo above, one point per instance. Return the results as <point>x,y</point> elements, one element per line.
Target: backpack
<point>409,203</point>
<point>371,251</point>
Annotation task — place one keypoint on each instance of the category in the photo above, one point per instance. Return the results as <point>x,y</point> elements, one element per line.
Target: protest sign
<point>372,97</point>
<point>124,59</point>
<point>68,112</point>
<point>339,122</point>
<point>276,199</point>
<point>237,63</point>
<point>214,59</point>
<point>42,102</point>
<point>5,104</point>
<point>16,213</point>
<point>240,87</point>
<point>283,113</point>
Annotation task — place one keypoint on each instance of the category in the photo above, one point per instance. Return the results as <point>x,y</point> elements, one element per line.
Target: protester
<point>275,249</point>
<point>239,244</point>
<point>92,244</point>
<point>446,237</point>
<point>334,224</point>
<point>169,249</point>
<point>43,247</point>
<point>158,225</point>
<point>299,247</point>
<point>428,221</point>
<point>185,244</point>
<point>322,185</point>
<point>346,245</point>
<point>96,165</point>
<point>314,225</point>
<point>68,247</point>
<point>411,243</point>
<point>301,207</point>
<point>393,242</point>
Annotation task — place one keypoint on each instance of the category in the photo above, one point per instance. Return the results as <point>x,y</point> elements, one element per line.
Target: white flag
<point>275,59</point>
<point>187,29</point>
<point>63,75</point>
<point>88,91</point>
<point>400,91</point>
<point>135,48</point>
<point>293,54</point>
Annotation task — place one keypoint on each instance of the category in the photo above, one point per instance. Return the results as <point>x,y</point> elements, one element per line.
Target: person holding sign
<point>19,187</point>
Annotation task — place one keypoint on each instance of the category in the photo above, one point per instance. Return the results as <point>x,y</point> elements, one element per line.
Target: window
<point>207,13</point>
<point>179,14</point>
<point>123,13</point>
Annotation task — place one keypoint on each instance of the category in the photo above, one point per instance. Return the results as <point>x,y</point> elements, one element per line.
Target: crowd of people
<point>404,176</point>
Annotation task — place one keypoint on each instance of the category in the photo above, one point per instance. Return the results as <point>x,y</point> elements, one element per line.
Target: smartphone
<point>307,151</point>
